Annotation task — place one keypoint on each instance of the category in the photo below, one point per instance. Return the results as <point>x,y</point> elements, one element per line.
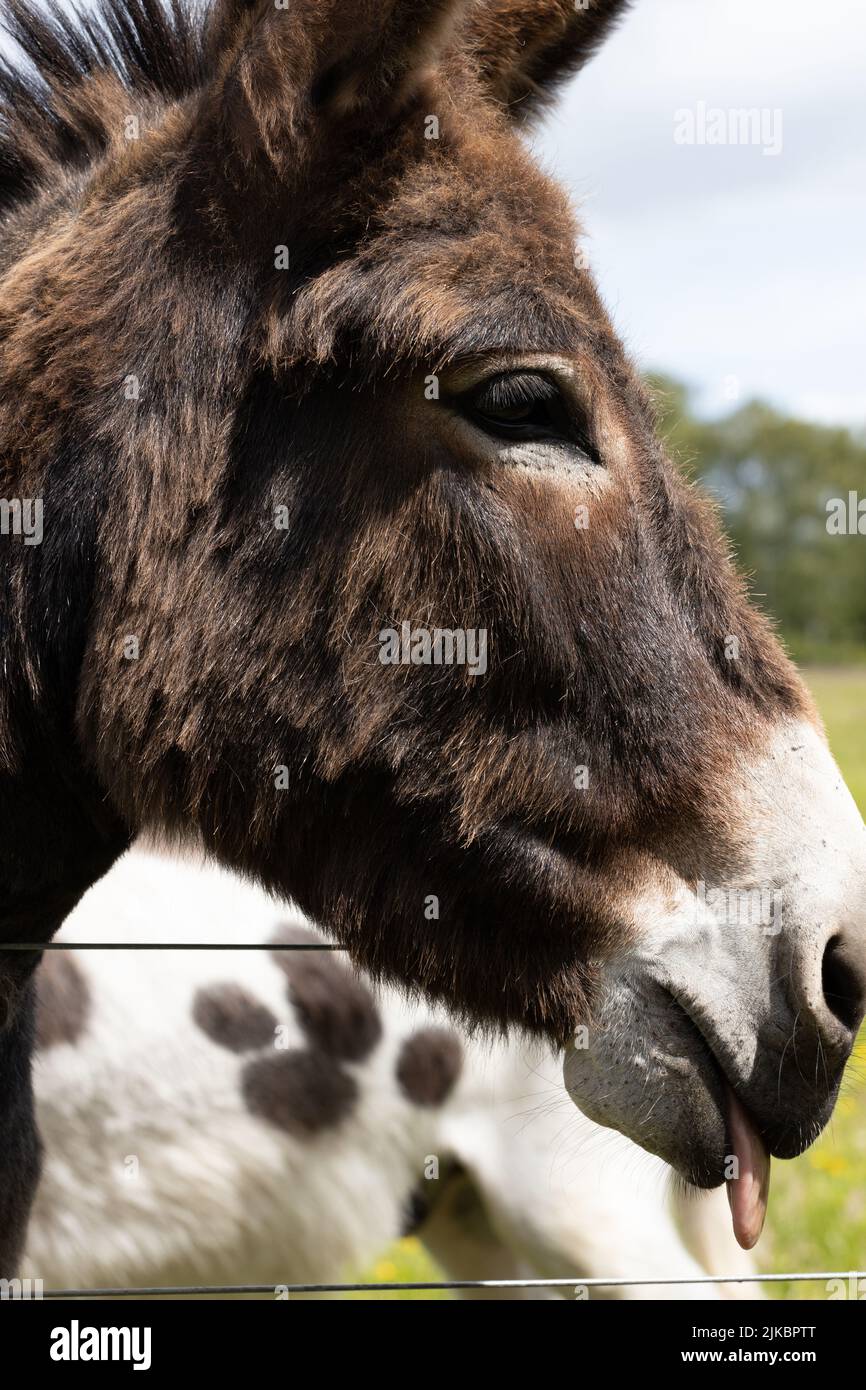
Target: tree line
<point>793,499</point>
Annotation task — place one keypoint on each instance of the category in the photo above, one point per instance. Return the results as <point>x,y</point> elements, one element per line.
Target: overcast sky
<point>732,269</point>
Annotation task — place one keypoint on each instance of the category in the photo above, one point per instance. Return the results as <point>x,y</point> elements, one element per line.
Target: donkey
<point>296,348</point>
<point>269,1117</point>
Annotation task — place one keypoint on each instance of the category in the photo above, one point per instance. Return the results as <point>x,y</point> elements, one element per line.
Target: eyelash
<point>513,391</point>
<point>524,390</point>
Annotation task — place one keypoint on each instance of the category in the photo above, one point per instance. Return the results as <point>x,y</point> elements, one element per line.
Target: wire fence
<point>272,1290</point>
<point>287,1290</point>
<point>166,946</point>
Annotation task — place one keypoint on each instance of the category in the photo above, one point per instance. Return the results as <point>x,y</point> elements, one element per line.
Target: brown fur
<point>334,1007</point>
<point>63,1000</point>
<point>154,259</point>
<point>232,1018</point>
<point>302,1093</point>
<point>526,52</point>
<point>429,1065</point>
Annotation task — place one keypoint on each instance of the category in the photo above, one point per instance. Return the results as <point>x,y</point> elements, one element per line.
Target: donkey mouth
<point>785,1130</point>
<point>658,1075</point>
<point>749,1183</point>
<point>747,1160</point>
<point>714,1099</point>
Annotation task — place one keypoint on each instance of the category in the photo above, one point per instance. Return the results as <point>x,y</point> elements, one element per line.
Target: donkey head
<point>363,561</point>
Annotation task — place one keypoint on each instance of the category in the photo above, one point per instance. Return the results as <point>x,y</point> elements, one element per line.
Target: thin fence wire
<point>164,946</point>
<point>211,1290</point>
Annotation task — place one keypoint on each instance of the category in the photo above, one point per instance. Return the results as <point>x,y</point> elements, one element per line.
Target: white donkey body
<point>267,1117</point>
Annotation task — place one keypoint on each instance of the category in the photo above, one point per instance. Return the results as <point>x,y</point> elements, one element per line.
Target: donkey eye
<point>519,405</point>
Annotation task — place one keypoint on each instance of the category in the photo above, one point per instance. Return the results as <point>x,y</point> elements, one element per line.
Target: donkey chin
<point>720,1038</point>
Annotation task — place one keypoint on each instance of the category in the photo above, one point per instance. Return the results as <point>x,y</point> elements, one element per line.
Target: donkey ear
<point>287,66</point>
<point>525,51</point>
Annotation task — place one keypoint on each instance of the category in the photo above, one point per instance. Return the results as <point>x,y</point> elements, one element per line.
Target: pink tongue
<point>747,1193</point>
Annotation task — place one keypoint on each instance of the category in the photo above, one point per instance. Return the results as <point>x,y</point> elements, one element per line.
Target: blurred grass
<point>409,1262</point>
<point>817,1215</point>
<point>841,698</point>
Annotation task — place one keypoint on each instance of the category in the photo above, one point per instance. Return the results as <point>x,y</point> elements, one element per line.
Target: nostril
<point>844,984</point>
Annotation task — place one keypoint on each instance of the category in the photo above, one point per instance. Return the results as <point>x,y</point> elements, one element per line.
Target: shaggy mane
<point>149,48</point>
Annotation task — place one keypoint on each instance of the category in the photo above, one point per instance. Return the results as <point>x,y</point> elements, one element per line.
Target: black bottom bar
<point>68,1338</point>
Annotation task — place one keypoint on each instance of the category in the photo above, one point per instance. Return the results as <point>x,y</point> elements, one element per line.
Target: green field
<point>818,1202</point>
<point>841,697</point>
